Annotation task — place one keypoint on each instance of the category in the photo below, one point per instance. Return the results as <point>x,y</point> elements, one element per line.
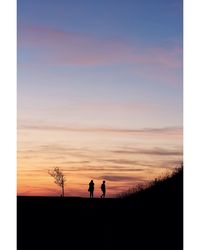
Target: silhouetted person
<point>103,189</point>
<point>91,188</point>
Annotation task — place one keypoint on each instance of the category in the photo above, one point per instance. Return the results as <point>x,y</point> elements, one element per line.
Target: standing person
<point>103,189</point>
<point>91,188</point>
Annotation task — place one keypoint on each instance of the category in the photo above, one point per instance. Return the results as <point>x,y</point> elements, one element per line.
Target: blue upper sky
<point>152,22</point>
<point>114,51</point>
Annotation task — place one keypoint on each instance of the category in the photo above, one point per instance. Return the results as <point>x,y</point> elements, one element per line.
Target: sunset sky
<point>99,93</point>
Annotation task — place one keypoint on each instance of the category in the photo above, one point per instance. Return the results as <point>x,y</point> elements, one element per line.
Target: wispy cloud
<point>143,131</point>
<point>62,47</point>
<point>122,161</point>
<point>154,151</point>
<point>119,178</point>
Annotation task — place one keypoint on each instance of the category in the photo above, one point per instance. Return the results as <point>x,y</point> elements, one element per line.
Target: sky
<point>100,93</point>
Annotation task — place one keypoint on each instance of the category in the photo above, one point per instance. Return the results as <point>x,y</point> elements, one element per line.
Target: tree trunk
<point>63,194</point>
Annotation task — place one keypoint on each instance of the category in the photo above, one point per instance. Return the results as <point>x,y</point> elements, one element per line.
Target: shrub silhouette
<point>59,178</point>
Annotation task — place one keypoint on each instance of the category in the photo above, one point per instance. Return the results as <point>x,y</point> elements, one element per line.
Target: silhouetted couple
<point>91,189</point>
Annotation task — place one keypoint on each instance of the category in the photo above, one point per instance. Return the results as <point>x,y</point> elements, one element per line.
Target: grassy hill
<point>149,219</point>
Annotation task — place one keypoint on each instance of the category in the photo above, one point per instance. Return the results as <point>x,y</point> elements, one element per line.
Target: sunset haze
<point>99,94</point>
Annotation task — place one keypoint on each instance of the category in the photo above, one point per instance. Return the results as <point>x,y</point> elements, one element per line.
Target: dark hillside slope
<point>159,208</point>
<point>149,219</point>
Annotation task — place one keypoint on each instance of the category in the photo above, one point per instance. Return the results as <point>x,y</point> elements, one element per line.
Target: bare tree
<point>59,178</point>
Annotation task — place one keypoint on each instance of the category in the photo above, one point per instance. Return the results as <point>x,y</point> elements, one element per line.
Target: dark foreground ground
<point>151,219</point>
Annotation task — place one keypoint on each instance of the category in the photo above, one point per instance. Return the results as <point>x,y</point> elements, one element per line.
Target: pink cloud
<point>176,131</point>
<point>69,48</point>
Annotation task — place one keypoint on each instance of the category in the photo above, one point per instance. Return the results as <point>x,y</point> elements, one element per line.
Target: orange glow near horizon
<point>123,159</point>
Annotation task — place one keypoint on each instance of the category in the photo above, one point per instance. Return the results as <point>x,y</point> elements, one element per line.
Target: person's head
<point>91,180</point>
<point>104,182</point>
